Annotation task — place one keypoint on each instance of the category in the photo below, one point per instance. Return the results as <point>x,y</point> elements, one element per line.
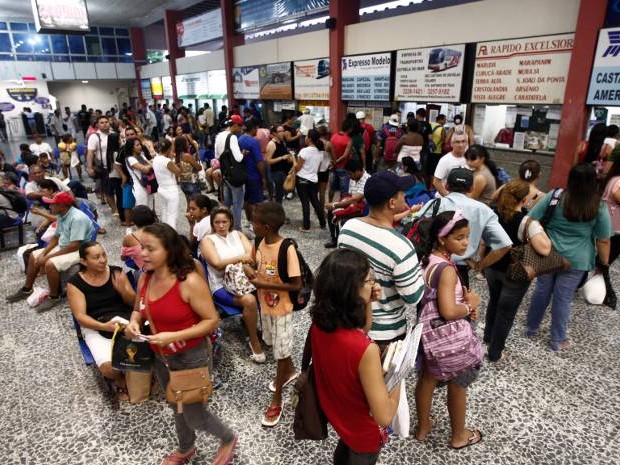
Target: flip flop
<point>474,439</point>
<point>272,384</point>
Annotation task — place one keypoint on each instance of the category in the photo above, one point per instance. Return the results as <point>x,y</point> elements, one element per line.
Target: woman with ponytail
<point>529,171</point>
<point>505,295</point>
<point>307,169</point>
<point>448,235</point>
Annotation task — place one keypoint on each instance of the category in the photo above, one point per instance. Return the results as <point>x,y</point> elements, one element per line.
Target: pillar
<point>344,12</point>
<point>171,18</point>
<point>575,111</point>
<point>138,50</point>
<point>231,40</point>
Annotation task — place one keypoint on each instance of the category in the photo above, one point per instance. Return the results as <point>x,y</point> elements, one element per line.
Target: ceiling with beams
<point>116,12</point>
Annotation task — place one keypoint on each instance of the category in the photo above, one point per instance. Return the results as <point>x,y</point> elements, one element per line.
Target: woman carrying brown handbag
<point>179,303</point>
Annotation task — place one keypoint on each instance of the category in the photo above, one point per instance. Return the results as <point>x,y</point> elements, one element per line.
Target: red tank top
<point>339,143</point>
<point>336,357</point>
<point>171,313</point>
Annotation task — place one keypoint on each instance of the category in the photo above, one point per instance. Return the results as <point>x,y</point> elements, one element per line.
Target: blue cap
<point>384,185</point>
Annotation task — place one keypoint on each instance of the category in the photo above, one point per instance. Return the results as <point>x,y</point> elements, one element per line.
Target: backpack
<point>233,171</point>
<point>301,297</point>
<point>418,228</point>
<point>450,347</point>
<point>18,201</point>
<point>389,144</point>
<point>149,182</point>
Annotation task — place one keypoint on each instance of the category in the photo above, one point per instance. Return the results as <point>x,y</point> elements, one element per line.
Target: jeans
<point>340,181</point>
<point>278,178</point>
<point>115,186</point>
<point>505,296</point>
<point>194,416</point>
<point>233,196</point>
<point>169,199</point>
<point>561,287</point>
<point>308,194</point>
<point>343,455</point>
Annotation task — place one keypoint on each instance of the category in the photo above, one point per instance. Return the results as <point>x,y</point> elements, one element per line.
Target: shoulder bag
<point>525,262</point>
<point>290,180</point>
<point>191,386</point>
<point>310,421</point>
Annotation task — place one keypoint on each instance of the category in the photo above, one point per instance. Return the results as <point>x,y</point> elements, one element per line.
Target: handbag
<point>450,347</point>
<point>525,262</point>
<point>235,280</point>
<point>185,387</point>
<point>310,421</point>
<point>289,181</point>
<point>130,354</point>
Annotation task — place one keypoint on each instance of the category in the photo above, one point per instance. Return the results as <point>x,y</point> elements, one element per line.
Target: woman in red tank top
<point>182,312</point>
<point>347,364</point>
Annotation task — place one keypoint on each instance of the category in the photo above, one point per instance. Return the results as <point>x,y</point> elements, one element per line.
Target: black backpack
<point>232,171</point>
<point>301,297</point>
<point>417,229</point>
<point>18,201</point>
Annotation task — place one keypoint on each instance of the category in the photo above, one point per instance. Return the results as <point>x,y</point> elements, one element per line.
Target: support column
<point>575,111</point>
<point>231,40</point>
<point>138,49</point>
<point>171,18</point>
<point>344,12</point>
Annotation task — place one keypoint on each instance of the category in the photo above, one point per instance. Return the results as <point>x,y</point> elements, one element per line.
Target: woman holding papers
<point>347,364</point>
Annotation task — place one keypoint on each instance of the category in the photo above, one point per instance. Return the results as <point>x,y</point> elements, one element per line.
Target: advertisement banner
<point>192,86</point>
<point>217,84</point>
<point>60,15</point>
<point>532,70</point>
<point>157,88</point>
<point>166,83</point>
<point>145,86</point>
<point>605,79</point>
<point>22,94</point>
<point>246,83</point>
<point>200,28</point>
<point>276,81</point>
<point>366,77</point>
<point>312,79</point>
<point>431,74</point>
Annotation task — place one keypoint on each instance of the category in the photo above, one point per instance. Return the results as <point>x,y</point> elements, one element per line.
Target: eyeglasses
<point>372,280</point>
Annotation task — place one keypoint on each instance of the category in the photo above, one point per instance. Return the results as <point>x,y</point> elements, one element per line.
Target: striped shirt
<point>396,268</point>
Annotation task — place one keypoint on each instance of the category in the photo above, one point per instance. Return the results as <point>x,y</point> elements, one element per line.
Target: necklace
<point>446,256</point>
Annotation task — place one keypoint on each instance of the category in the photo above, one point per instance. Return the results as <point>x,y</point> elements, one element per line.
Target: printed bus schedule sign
<point>431,74</point>
<point>366,77</point>
<point>531,70</point>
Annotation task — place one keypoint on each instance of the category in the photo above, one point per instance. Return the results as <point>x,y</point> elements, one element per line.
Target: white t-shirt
<point>312,158</point>
<point>446,164</point>
<point>306,122</point>
<point>534,228</point>
<point>220,145</point>
<point>226,247</point>
<point>93,144</point>
<point>167,121</point>
<point>202,228</point>
<point>165,177</point>
<point>137,174</point>
<point>43,147</point>
<point>357,187</point>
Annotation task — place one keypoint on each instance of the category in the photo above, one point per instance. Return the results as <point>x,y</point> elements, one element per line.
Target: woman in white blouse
<point>137,165</point>
<point>166,173</point>
<point>307,168</point>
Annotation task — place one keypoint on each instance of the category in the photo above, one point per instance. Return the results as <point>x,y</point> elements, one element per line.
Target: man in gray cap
<point>391,255</point>
<point>483,224</point>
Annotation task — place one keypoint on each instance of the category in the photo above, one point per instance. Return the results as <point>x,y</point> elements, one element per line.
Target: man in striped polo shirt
<point>391,255</point>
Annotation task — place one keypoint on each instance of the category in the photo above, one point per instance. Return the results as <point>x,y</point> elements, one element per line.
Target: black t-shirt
<point>294,145</point>
<point>512,229</point>
<point>283,166</point>
<point>103,302</point>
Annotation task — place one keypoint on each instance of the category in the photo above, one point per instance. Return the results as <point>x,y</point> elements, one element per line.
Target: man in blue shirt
<point>255,167</point>
<point>61,253</point>
<point>483,224</point>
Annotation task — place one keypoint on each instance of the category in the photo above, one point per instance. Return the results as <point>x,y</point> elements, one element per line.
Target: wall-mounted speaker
<point>330,23</point>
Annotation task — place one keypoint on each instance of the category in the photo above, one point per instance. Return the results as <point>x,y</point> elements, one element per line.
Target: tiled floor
<point>539,407</point>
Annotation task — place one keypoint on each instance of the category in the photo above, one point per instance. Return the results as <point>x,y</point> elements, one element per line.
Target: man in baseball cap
<point>393,258</point>
<point>233,195</point>
<point>368,135</point>
<point>61,253</point>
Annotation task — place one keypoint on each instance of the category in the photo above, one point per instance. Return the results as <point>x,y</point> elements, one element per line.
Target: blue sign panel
<point>605,80</point>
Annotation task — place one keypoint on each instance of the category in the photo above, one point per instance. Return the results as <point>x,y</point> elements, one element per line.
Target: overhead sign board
<point>157,88</point>
<point>605,79</point>
<point>145,86</point>
<point>366,77</point>
<point>311,79</point>
<point>246,84</point>
<point>431,74</point>
<point>530,71</point>
<point>60,15</point>
<point>192,86</point>
<point>276,82</point>
<point>198,29</point>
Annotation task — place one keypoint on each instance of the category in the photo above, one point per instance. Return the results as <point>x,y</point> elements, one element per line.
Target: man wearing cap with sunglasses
<point>391,255</point>
<point>233,195</point>
<point>61,253</point>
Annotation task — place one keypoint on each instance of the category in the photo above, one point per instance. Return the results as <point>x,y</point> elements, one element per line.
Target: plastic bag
<point>19,255</point>
<point>594,289</point>
<point>402,421</point>
<point>39,294</point>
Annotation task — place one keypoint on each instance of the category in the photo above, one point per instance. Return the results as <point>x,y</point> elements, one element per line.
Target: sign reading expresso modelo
<point>531,70</point>
<point>431,74</point>
<point>366,77</point>
<point>605,79</point>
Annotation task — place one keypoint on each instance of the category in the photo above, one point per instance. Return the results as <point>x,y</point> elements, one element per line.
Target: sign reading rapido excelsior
<point>366,77</point>
<point>532,70</point>
<point>429,74</point>
<point>605,80</point>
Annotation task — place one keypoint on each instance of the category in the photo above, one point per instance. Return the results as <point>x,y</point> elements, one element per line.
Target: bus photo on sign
<point>441,59</point>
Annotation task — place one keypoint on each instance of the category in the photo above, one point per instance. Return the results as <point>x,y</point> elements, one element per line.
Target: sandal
<point>224,458</point>
<point>272,416</point>
<point>272,383</point>
<point>102,231</point>
<point>176,458</point>
<point>475,438</point>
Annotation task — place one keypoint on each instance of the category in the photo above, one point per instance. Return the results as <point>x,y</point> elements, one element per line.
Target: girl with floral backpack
<point>451,351</point>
